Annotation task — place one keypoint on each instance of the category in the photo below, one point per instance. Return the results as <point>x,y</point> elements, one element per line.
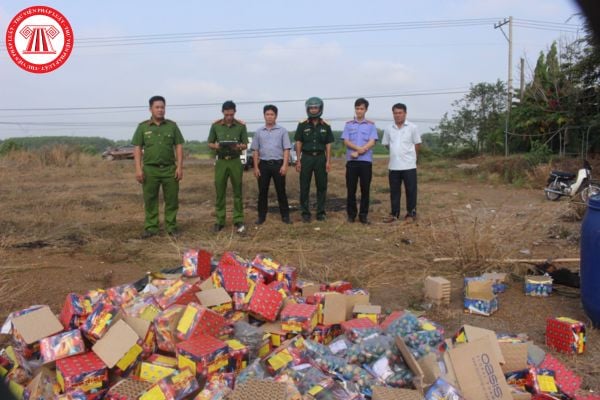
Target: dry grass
<point>66,220</point>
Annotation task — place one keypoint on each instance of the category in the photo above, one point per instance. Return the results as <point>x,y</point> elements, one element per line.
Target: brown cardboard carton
<point>334,309</point>
<point>207,284</point>
<point>388,393</point>
<point>437,289</point>
<point>478,371</point>
<point>37,325</point>
<point>213,297</point>
<point>116,343</point>
<point>469,333</point>
<point>412,364</point>
<point>354,299</point>
<point>515,356</point>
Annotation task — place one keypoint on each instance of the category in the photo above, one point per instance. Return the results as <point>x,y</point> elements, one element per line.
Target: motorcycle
<point>568,184</point>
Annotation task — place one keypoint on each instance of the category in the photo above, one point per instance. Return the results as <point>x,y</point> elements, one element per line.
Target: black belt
<point>227,157</point>
<point>160,165</point>
<point>312,153</point>
<point>271,162</point>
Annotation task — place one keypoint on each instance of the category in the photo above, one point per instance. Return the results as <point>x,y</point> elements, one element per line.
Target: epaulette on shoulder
<point>218,121</point>
<point>325,122</point>
<point>239,121</point>
<point>303,121</point>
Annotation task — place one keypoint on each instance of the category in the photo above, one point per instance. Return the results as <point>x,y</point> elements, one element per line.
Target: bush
<point>9,146</point>
<point>539,153</point>
<point>463,153</point>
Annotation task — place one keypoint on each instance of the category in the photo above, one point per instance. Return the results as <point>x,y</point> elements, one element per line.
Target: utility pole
<point>509,38</point>
<point>522,83</point>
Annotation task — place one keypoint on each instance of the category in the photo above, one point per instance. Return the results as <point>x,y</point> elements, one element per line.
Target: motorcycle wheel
<point>591,190</point>
<point>553,196</point>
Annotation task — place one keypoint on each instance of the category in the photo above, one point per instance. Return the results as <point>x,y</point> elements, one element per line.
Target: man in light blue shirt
<point>359,137</point>
<point>271,146</point>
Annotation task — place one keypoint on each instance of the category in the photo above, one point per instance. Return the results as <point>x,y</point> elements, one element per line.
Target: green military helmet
<point>314,101</point>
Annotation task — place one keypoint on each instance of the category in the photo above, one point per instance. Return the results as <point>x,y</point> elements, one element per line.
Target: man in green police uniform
<point>158,137</point>
<point>313,146</point>
<point>228,137</point>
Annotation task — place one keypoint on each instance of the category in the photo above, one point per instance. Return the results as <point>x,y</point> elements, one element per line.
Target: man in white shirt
<point>403,141</point>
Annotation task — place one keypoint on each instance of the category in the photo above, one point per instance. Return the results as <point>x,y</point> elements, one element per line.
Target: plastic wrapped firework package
<point>404,325</point>
<point>281,287</point>
<point>143,306</point>
<point>62,345</point>
<point>122,295</point>
<point>198,319</point>
<point>305,376</point>
<point>74,311</point>
<point>565,335</point>
<point>315,349</point>
<point>542,381</point>
<point>540,286</point>
<point>232,277</point>
<point>266,266</point>
<point>424,342</point>
<point>371,349</point>
<point>324,334</point>
<point>442,390</point>
<point>239,301</point>
<point>392,373</point>
<point>232,258</point>
<point>249,335</point>
<point>254,371</point>
<point>169,295</point>
<point>42,386</point>
<point>390,319</point>
<point>329,363</point>
<point>153,372</point>
<point>340,345</point>
<point>254,275</point>
<point>290,353</point>
<point>165,326</point>
<point>357,335</point>
<point>196,263</point>
<point>97,323</point>
<point>360,376</point>
<point>330,389</point>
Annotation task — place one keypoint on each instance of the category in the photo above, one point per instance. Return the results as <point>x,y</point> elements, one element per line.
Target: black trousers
<point>358,171</point>
<point>409,177</point>
<point>270,169</point>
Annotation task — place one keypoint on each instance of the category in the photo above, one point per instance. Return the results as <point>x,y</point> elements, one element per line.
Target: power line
<point>428,92</point>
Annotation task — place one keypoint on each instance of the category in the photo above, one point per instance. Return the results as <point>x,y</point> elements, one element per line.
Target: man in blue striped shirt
<point>271,146</point>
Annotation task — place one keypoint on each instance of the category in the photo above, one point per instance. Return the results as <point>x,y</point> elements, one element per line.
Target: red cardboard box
<point>178,386</point>
<point>196,263</point>
<point>203,354</point>
<point>339,286</point>
<point>565,335</point>
<point>84,371</point>
<point>265,302</point>
<point>74,311</point>
<point>357,323</point>
<point>239,355</point>
<point>165,326</point>
<point>233,277</point>
<point>122,295</point>
<point>98,322</point>
<point>171,293</point>
<point>198,319</point>
<point>266,266</point>
<point>299,318</point>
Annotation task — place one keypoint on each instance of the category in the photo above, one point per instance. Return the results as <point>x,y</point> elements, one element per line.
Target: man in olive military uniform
<point>162,143</point>
<point>313,146</point>
<point>228,137</point>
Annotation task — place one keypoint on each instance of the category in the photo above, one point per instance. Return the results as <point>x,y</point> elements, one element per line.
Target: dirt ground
<point>76,227</point>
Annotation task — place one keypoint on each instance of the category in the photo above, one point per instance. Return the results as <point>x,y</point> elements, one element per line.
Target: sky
<point>425,54</point>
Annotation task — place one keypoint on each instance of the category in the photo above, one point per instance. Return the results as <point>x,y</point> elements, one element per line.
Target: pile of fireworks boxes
<point>249,329</point>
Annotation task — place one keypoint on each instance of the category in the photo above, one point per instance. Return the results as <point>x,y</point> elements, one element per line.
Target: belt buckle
<point>315,153</point>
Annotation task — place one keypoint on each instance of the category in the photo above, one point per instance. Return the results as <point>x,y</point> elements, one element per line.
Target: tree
<point>476,121</point>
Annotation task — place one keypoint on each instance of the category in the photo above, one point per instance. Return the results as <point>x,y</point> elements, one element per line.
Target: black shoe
<point>217,228</point>
<point>321,217</point>
<point>240,227</point>
<point>306,219</point>
<point>175,233</point>
<point>286,220</point>
<point>259,221</point>
<point>148,234</point>
<point>364,220</point>
<point>350,219</point>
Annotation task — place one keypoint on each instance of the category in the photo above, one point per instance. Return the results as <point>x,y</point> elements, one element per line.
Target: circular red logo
<point>39,39</point>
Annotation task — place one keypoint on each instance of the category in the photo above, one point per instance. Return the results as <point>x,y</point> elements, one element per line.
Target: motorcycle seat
<point>565,175</point>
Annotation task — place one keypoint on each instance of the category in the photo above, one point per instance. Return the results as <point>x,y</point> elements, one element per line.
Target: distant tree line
<point>558,111</point>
